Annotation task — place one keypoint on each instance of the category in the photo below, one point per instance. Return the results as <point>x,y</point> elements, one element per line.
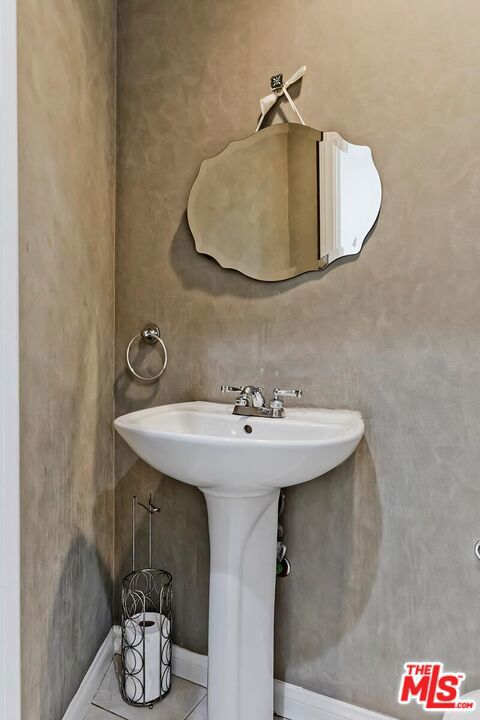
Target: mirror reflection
<point>283,201</point>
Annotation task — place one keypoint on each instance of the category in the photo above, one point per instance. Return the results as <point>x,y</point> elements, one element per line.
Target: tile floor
<point>185,700</point>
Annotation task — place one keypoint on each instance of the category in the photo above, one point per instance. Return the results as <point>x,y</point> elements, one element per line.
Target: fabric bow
<point>267,102</point>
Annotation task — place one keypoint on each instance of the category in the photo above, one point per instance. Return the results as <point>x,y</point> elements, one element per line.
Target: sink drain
<point>248,429</point>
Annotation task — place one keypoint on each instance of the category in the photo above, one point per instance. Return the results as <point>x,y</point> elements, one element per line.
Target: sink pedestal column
<point>243,534</point>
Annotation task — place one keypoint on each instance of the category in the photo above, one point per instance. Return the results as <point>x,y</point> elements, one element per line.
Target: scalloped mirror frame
<point>283,201</point>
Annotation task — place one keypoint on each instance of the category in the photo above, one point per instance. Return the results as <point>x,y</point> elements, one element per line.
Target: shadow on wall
<point>82,514</point>
<point>202,272</point>
<point>130,395</point>
<point>339,514</point>
<point>78,625</point>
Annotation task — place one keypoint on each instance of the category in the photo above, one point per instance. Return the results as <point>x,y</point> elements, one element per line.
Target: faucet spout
<point>253,396</point>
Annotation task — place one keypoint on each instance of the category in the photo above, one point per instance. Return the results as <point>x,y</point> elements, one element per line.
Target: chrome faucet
<point>251,401</point>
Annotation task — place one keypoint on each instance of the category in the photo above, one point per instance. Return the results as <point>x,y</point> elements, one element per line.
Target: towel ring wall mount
<point>151,336</point>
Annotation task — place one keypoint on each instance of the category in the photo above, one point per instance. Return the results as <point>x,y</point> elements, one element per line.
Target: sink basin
<point>240,463</point>
<point>203,444</point>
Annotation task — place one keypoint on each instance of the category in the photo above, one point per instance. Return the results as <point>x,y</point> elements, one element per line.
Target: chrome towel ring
<point>151,335</point>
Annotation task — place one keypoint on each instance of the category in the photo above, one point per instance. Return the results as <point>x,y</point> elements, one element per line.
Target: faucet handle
<point>231,388</point>
<point>278,393</point>
<point>241,399</point>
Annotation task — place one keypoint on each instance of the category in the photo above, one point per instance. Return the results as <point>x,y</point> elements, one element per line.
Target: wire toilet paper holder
<point>146,626</point>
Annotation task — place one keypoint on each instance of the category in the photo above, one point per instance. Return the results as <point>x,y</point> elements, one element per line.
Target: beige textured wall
<point>66,156</point>
<point>381,548</point>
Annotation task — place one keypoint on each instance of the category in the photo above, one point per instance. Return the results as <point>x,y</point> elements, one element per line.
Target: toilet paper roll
<point>156,658</point>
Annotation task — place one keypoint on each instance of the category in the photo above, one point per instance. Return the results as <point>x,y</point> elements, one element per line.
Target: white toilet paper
<point>155,656</point>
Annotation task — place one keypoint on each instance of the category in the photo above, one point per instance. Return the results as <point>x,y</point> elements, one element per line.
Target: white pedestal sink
<point>240,464</point>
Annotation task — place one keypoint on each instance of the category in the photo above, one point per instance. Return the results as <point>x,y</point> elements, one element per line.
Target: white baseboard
<point>189,665</point>
<point>90,683</point>
<point>290,701</point>
<point>296,703</point>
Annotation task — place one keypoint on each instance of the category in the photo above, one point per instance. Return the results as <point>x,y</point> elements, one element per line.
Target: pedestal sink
<point>240,464</point>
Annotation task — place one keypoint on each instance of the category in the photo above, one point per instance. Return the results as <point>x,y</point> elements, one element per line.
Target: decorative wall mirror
<point>283,201</point>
